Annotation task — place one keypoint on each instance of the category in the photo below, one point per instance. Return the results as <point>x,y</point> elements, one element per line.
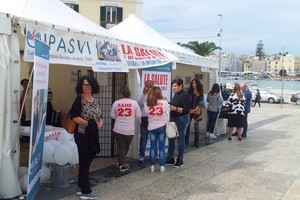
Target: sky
<point>244,23</point>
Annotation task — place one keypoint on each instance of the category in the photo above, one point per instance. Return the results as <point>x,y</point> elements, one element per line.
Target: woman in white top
<point>156,107</point>
<point>124,111</point>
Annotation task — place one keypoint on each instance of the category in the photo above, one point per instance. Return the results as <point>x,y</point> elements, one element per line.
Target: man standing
<point>248,95</point>
<point>144,120</point>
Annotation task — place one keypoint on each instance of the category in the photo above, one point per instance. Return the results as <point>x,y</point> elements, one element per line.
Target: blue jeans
<point>197,133</point>
<point>245,124</point>
<point>182,123</point>
<point>212,118</point>
<point>158,136</point>
<point>143,140</point>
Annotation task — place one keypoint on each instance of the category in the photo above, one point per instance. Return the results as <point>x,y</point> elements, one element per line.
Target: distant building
<point>106,13</point>
<point>277,62</point>
<point>272,64</point>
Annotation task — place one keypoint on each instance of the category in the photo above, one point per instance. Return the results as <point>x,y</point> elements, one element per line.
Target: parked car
<point>295,98</point>
<point>267,96</point>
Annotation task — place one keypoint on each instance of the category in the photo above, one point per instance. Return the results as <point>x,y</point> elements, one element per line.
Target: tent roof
<point>52,12</point>
<point>133,29</point>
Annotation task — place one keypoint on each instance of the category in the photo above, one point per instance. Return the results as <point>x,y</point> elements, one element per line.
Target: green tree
<point>260,50</point>
<point>202,49</point>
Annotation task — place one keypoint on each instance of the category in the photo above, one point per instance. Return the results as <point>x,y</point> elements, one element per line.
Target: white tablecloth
<point>51,132</point>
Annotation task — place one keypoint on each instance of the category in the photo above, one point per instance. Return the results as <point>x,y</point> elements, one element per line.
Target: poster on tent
<point>79,49</point>
<point>161,77</point>
<point>138,56</point>
<point>38,116</point>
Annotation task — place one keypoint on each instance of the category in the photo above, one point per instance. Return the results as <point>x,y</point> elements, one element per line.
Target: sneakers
<point>170,161</point>
<point>162,169</point>
<point>179,163</point>
<point>207,134</point>
<point>152,168</point>
<point>124,168</point>
<point>141,159</point>
<point>212,136</point>
<point>91,195</point>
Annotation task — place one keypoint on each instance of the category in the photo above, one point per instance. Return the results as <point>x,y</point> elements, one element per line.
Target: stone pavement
<point>265,165</point>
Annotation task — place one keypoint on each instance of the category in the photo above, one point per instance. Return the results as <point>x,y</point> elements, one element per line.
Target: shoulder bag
<point>67,122</point>
<point>171,128</point>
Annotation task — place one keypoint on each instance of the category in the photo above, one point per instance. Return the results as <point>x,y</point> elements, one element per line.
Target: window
<point>73,6</point>
<point>110,16</point>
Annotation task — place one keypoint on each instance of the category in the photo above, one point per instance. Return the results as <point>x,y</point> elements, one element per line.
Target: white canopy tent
<point>133,29</point>
<point>51,14</point>
<point>55,15</point>
<point>9,85</point>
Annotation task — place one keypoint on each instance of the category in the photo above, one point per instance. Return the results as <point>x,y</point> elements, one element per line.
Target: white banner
<point>138,56</point>
<point>38,115</point>
<point>102,54</point>
<point>75,48</point>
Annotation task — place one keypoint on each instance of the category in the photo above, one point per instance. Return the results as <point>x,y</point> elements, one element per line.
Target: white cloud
<point>275,22</point>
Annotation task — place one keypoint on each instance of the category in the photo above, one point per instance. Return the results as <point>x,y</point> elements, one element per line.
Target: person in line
<point>124,111</point>
<point>86,113</point>
<point>180,107</point>
<point>156,108</point>
<point>144,120</point>
<point>236,113</point>
<point>24,83</point>
<point>195,92</point>
<point>214,100</point>
<point>49,107</point>
<point>25,140</point>
<point>248,95</point>
<point>257,98</point>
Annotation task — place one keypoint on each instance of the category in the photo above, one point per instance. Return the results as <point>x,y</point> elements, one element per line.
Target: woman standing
<point>180,107</point>
<point>124,111</point>
<point>195,92</point>
<point>236,113</point>
<point>214,100</point>
<point>86,113</point>
<point>156,108</point>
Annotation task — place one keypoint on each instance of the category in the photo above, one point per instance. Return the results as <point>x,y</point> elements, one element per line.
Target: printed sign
<point>161,77</point>
<point>38,116</point>
<point>102,54</point>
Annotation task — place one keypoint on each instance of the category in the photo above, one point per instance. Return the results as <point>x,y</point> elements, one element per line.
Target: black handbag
<point>224,112</point>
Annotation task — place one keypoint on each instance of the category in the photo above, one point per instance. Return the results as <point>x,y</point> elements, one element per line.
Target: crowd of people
<point>185,107</point>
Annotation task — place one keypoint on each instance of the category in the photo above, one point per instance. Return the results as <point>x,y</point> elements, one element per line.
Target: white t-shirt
<point>157,114</point>
<point>125,111</point>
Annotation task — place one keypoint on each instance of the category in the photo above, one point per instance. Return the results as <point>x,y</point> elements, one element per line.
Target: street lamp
<point>282,74</point>
<point>220,52</point>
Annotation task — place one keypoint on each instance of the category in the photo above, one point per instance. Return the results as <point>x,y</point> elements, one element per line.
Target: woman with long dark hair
<point>214,100</point>
<point>195,92</point>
